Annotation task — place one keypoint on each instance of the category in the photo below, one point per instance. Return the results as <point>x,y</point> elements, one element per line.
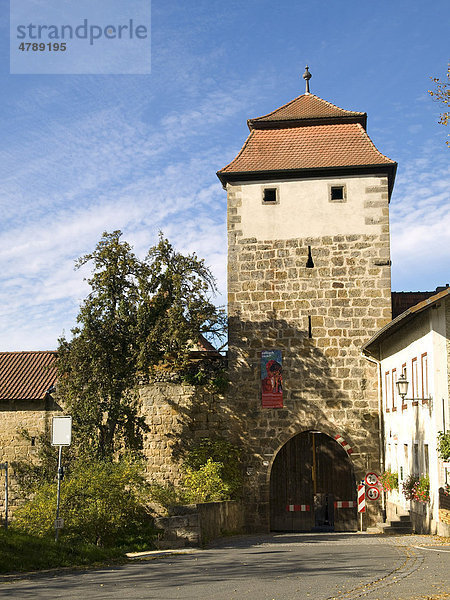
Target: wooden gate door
<point>310,473</point>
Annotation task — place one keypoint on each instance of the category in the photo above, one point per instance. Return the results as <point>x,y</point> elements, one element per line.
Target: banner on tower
<point>271,379</point>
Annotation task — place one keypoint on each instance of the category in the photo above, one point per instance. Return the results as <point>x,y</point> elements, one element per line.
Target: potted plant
<point>408,486</point>
<point>422,489</point>
<point>389,481</point>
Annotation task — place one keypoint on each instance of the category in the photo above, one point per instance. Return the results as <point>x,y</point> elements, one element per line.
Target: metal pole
<point>58,492</point>
<point>443,414</point>
<point>6,495</point>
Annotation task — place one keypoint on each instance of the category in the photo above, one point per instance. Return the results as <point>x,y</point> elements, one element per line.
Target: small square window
<point>270,195</point>
<point>337,193</point>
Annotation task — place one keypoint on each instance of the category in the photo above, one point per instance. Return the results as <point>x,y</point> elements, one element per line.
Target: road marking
<point>432,549</point>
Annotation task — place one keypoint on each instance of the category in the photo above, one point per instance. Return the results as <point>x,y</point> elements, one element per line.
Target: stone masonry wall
<point>15,416</point>
<point>328,386</point>
<point>177,415</point>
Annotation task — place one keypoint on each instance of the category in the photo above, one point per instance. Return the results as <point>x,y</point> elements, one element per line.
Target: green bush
<point>444,445</point>
<point>102,503</point>
<point>167,495</point>
<point>206,484</point>
<point>218,451</point>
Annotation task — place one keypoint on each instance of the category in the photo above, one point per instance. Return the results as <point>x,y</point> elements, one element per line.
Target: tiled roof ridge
<point>364,132</point>
<point>330,104</point>
<point>28,351</point>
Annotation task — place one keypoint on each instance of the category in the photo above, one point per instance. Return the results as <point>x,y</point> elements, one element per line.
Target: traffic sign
<point>62,431</point>
<point>372,479</point>
<point>373,493</point>
<point>59,523</point>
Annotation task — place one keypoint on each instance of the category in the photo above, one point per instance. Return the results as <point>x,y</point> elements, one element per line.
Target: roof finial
<point>307,76</point>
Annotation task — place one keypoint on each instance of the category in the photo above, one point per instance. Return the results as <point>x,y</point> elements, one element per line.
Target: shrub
<point>444,445</point>
<point>222,452</point>
<point>206,484</point>
<point>167,495</point>
<point>102,503</point>
<point>389,481</point>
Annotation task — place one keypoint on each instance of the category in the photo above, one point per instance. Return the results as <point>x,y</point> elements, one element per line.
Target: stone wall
<point>16,416</point>
<point>177,414</point>
<point>274,302</point>
<point>199,524</point>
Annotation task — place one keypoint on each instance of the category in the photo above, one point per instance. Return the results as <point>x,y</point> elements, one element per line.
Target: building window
<point>426,459</point>
<point>270,195</point>
<point>394,390</point>
<point>414,381</point>
<point>337,193</point>
<point>387,391</point>
<point>415,459</point>
<point>424,368</point>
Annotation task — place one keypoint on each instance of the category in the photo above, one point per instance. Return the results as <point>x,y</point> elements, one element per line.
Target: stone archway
<point>312,486</point>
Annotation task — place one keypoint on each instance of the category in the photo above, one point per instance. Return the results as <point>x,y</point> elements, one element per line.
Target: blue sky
<point>80,154</point>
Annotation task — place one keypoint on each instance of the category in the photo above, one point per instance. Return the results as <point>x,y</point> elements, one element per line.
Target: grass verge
<point>21,552</point>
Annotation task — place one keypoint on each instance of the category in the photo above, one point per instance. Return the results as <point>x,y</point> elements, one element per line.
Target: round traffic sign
<point>373,493</point>
<point>371,479</point>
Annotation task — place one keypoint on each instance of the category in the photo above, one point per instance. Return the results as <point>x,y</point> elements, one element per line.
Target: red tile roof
<point>306,106</point>
<point>309,147</point>
<point>372,347</point>
<point>26,375</point>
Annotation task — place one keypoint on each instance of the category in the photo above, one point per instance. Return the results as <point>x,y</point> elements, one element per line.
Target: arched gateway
<point>312,486</point>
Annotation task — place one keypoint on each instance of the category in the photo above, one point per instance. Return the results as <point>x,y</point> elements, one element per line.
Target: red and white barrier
<point>298,508</point>
<point>361,498</point>
<point>340,440</point>
<point>345,504</point>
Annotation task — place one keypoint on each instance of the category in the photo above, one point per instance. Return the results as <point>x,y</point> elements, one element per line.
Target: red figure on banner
<point>271,379</point>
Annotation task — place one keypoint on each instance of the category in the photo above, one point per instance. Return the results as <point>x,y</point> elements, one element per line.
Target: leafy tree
<point>441,93</point>
<point>176,308</point>
<point>97,369</point>
<point>138,314</point>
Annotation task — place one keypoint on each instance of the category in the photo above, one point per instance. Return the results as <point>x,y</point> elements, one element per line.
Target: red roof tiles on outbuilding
<point>26,375</point>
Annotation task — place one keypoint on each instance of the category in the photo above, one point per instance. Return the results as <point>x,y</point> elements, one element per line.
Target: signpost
<point>61,436</point>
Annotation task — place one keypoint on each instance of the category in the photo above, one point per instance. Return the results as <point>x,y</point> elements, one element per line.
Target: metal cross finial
<point>307,76</point>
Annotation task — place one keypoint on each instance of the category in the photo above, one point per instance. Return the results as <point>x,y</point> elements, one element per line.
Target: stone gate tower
<point>308,281</point>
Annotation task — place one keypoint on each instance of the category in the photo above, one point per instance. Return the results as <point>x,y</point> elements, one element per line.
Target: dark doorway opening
<point>312,486</point>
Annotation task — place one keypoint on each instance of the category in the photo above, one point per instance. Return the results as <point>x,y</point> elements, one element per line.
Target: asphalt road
<point>275,567</point>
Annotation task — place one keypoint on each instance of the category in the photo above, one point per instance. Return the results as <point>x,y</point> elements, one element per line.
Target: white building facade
<point>416,344</point>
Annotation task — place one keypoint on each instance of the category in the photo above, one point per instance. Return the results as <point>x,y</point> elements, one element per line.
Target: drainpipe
<point>381,427</point>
